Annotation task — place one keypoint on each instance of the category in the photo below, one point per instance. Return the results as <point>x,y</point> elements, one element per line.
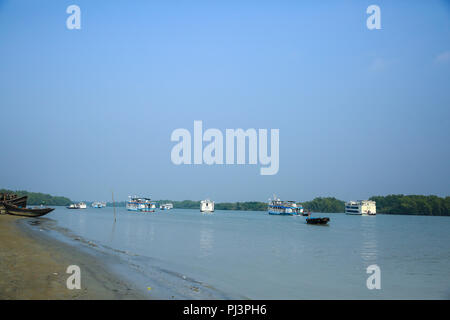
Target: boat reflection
<point>369,249</point>
<point>206,241</point>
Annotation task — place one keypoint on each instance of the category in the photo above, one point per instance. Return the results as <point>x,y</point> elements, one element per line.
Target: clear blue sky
<point>360,112</point>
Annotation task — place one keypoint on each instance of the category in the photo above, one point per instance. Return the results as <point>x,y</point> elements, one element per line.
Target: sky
<point>360,112</point>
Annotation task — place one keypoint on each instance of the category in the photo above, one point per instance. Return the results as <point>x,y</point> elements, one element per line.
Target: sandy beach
<point>34,267</point>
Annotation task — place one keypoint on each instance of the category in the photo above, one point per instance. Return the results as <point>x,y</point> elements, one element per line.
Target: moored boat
<point>13,199</point>
<point>206,206</point>
<point>140,204</point>
<point>166,206</point>
<point>26,212</point>
<point>284,208</point>
<point>20,202</point>
<point>80,205</point>
<point>361,208</point>
<point>98,204</point>
<point>323,220</point>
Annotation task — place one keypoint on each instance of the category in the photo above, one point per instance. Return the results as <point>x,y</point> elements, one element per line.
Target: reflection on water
<point>206,241</point>
<point>82,222</point>
<point>111,238</point>
<point>267,257</point>
<point>151,232</point>
<point>369,250</point>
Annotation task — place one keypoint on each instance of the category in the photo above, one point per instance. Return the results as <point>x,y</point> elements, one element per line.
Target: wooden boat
<point>13,199</point>
<point>324,220</point>
<point>25,212</point>
<point>7,196</point>
<point>20,202</point>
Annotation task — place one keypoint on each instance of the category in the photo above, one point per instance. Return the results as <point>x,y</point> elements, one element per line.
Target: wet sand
<point>34,267</point>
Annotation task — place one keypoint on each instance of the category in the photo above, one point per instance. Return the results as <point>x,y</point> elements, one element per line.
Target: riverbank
<point>34,267</point>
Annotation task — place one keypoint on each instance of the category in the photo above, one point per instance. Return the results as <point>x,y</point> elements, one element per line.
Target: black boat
<point>13,199</point>
<point>324,220</point>
<point>25,212</point>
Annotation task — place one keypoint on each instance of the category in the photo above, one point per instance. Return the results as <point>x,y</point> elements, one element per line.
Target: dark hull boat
<point>317,220</point>
<point>20,202</point>
<point>16,211</point>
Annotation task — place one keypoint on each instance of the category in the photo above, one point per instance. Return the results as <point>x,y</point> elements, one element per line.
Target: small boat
<point>207,206</point>
<point>166,206</point>
<point>98,204</point>
<point>323,220</point>
<point>80,205</point>
<point>26,212</point>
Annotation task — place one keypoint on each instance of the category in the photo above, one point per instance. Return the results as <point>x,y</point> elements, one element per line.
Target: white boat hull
<point>276,213</point>
<point>207,206</point>
<point>360,214</point>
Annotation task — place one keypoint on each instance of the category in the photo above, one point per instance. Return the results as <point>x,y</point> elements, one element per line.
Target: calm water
<point>257,256</point>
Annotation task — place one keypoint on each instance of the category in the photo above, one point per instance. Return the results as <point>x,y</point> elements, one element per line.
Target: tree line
<point>391,204</point>
<point>413,204</point>
<point>325,205</point>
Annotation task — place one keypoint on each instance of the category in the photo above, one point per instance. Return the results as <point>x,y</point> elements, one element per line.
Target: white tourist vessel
<point>361,207</point>
<point>166,206</point>
<point>80,205</point>
<point>207,206</point>
<point>98,204</point>
<point>279,207</point>
<point>140,204</point>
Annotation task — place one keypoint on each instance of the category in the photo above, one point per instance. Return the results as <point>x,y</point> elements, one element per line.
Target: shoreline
<point>33,266</point>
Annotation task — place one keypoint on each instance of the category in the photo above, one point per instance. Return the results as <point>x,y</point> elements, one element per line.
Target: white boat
<point>140,204</point>
<point>80,205</point>
<point>166,206</point>
<point>284,208</point>
<point>207,206</point>
<point>98,204</point>
<point>361,208</point>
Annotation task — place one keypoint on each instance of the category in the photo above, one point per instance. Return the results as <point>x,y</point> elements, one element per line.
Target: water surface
<point>254,255</point>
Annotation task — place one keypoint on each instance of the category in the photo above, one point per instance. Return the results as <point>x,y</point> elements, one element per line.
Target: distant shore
<point>391,204</point>
<point>429,205</point>
<point>33,266</point>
